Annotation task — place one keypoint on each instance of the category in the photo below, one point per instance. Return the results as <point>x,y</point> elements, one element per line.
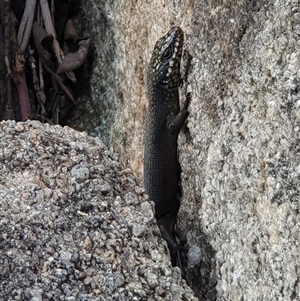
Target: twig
<point>39,36</point>
<point>18,75</point>
<point>6,46</point>
<point>60,82</point>
<point>40,95</point>
<point>26,25</point>
<point>20,82</point>
<point>50,29</point>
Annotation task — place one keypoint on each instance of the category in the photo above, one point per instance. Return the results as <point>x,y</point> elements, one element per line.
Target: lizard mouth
<point>174,37</point>
<point>176,32</point>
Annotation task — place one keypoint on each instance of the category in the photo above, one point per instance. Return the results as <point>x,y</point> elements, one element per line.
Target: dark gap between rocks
<point>45,63</point>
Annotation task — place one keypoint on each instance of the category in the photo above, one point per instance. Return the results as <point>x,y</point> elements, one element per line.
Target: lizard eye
<point>167,54</point>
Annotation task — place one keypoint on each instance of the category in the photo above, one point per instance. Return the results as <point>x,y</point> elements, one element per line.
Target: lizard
<point>163,123</point>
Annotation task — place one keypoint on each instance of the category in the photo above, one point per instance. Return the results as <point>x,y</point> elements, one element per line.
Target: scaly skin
<point>164,121</point>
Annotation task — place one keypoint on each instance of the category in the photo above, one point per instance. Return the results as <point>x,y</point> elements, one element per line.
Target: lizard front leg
<point>175,122</point>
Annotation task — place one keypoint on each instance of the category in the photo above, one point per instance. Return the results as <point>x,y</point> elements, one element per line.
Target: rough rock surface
<point>74,225</point>
<point>240,151</point>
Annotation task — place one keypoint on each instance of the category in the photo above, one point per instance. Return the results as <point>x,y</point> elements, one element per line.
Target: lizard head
<point>164,66</point>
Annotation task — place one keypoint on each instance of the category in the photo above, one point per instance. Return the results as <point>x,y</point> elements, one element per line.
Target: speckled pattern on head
<point>164,66</point>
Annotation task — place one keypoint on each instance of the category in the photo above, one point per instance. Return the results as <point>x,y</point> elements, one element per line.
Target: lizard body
<point>163,123</point>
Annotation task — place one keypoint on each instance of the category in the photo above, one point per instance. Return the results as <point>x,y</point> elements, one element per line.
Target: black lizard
<point>163,123</point>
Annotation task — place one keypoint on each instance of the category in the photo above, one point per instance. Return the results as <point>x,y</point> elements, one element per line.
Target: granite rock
<point>74,224</point>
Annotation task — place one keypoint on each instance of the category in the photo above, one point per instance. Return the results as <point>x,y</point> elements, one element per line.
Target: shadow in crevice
<point>202,277</point>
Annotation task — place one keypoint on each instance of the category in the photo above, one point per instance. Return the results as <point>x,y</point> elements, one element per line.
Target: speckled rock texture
<point>74,224</point>
<point>240,151</point>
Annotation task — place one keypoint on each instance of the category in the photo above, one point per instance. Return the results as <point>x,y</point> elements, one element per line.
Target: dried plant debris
<point>40,50</point>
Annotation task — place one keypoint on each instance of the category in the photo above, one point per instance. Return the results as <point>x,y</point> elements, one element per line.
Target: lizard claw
<point>187,100</point>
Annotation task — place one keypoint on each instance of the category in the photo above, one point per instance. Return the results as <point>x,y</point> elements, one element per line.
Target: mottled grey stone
<point>240,151</point>
<point>63,238</point>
